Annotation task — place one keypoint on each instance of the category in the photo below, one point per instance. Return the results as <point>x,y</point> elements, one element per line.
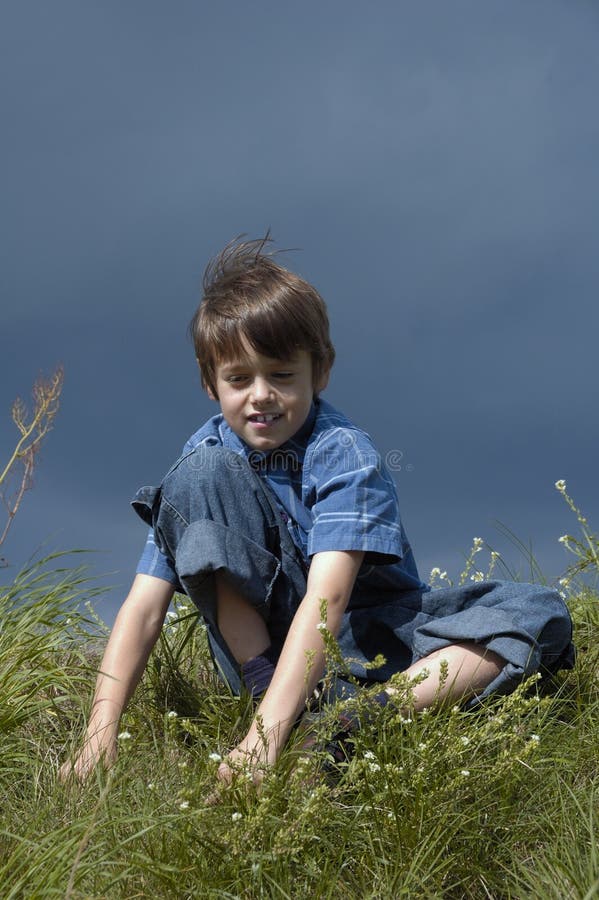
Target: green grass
<point>498,803</point>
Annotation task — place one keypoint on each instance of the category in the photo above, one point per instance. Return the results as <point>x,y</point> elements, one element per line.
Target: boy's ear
<point>322,382</point>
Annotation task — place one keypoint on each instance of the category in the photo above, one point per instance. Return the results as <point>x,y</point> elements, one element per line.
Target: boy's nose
<point>261,390</point>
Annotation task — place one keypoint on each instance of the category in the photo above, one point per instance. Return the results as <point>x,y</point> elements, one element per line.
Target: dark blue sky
<point>436,163</point>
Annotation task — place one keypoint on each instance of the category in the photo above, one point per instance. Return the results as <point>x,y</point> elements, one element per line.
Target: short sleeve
<point>355,502</point>
<point>154,562</point>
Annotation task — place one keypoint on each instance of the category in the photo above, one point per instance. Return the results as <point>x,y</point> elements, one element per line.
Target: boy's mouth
<point>264,418</point>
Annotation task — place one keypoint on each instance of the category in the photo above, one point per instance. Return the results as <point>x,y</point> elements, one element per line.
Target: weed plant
<point>500,802</point>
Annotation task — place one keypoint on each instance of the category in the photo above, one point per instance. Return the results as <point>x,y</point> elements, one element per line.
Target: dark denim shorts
<point>213,512</point>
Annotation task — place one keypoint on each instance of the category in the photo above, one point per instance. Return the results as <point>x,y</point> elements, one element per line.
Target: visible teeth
<point>269,418</point>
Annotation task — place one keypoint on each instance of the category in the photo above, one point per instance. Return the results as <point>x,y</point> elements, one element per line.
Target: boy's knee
<point>217,485</point>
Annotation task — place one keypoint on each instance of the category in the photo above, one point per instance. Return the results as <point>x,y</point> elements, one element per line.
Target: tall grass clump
<point>500,802</point>
<point>42,654</point>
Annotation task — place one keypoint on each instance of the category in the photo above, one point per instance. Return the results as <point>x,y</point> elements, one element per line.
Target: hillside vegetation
<point>497,803</point>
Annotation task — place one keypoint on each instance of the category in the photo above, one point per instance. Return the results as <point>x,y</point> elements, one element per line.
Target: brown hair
<point>248,295</point>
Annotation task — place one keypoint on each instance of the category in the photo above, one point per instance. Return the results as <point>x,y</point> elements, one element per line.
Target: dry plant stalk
<point>46,396</point>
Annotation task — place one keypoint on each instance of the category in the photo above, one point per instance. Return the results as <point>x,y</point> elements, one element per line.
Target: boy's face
<point>265,401</point>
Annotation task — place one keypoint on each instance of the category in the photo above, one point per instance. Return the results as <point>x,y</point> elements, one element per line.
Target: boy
<point>280,501</point>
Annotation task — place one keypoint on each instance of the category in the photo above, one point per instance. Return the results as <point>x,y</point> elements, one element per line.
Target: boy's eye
<point>241,379</point>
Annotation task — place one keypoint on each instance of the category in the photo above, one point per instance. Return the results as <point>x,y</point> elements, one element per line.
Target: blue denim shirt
<point>333,491</point>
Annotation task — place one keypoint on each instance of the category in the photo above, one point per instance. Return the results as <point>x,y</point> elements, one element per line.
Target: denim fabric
<point>333,490</point>
<point>213,512</point>
<point>527,625</point>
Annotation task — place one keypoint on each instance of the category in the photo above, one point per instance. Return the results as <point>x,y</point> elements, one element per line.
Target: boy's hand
<point>252,755</point>
<point>95,752</point>
<point>239,761</point>
<point>248,759</point>
<point>135,631</point>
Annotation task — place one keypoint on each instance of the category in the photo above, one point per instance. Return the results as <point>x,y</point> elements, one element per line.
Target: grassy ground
<point>497,803</point>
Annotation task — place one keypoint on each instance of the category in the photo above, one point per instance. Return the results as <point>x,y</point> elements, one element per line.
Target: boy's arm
<point>332,575</point>
<point>135,631</point>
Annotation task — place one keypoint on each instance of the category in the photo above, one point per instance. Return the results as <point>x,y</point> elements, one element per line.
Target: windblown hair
<point>249,296</point>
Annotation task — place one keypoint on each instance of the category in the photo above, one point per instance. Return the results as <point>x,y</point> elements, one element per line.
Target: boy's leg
<point>526,627</point>
<point>233,553</point>
<point>243,629</point>
<point>455,673</point>
<point>476,641</point>
<point>246,636</point>
<point>481,639</point>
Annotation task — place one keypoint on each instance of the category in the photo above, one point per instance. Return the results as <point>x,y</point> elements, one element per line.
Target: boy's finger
<point>225,774</point>
<point>65,773</point>
<point>214,797</point>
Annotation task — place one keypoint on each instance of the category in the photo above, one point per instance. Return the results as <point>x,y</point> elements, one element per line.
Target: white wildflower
<point>322,626</point>
<point>255,868</point>
<point>236,816</point>
<point>477,544</point>
<point>436,573</point>
<point>171,714</point>
<point>369,755</point>
<point>124,736</point>
<point>465,772</point>
<point>215,757</point>
<point>564,539</point>
<point>150,785</point>
<point>184,804</point>
<point>535,738</point>
<point>560,485</point>
<point>171,615</point>
<point>374,767</point>
<point>477,576</point>
<point>465,740</point>
<point>391,815</point>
